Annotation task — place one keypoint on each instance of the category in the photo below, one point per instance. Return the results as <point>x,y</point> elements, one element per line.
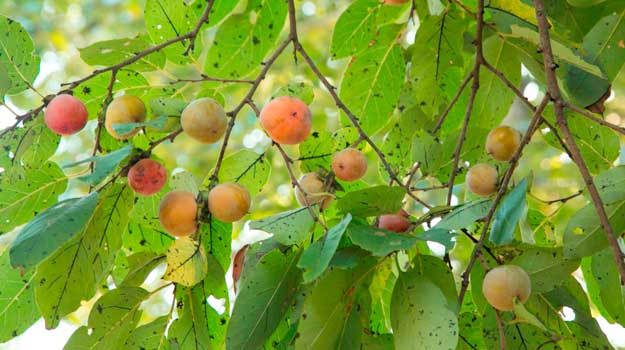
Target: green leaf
<point>139,267</point>
<point>265,293</point>
<point>329,307</point>
<point>17,55</point>
<point>73,273</point>
<point>241,42</point>
<point>604,44</point>
<point>198,325</point>
<point>584,234</point>
<point>164,106</point>
<point>288,228</point>
<point>515,8</point>
<point>611,184</point>
<point>356,27</point>
<point>547,267</point>
<point>316,152</point>
<point>167,19</point>
<point>149,336</point>
<point>18,310</point>
<point>126,128</point>
<point>508,214</point>
<point>247,168</point>
<point>562,53</point>
<point>186,262</point>
<point>598,145</point>
<point>318,255</point>
<point>302,90</point>
<point>184,180</point>
<point>494,98</point>
<point>382,242</point>
<point>30,145</point>
<point>145,232</point>
<point>111,321</point>
<point>437,272</point>
<point>110,52</point>
<point>465,215</point>
<point>372,201</point>
<point>104,165</point>
<point>22,196</point>
<point>421,316</point>
<point>370,87</point>
<point>612,293</point>
<point>51,229</point>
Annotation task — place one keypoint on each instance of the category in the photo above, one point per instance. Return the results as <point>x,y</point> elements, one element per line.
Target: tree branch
<point>561,121</point>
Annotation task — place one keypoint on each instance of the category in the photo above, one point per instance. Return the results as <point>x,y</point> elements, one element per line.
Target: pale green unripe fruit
<point>505,283</point>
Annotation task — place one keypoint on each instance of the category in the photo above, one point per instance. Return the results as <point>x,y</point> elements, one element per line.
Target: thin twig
<point>534,124</point>
<point>559,106</point>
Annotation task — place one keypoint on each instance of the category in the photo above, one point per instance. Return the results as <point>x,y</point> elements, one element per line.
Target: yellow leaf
<point>186,262</point>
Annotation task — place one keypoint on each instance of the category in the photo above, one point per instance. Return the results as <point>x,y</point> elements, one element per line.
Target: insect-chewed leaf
<point>50,229</point>
<point>611,185</point>
<point>547,267</point>
<point>611,292</point>
<point>186,262</point>
<point>149,336</point>
<point>111,321</point>
<point>301,90</point>
<point>31,145</point>
<point>165,20</point>
<point>288,228</point>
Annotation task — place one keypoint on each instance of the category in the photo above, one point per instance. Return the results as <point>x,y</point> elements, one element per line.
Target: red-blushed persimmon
<point>287,120</point>
<point>395,222</point>
<point>237,265</point>
<point>178,213</point>
<point>65,115</point>
<point>228,202</point>
<point>481,179</point>
<point>147,176</point>
<point>122,110</point>
<point>204,120</point>
<point>504,283</point>
<point>502,142</point>
<point>349,164</point>
<point>314,191</point>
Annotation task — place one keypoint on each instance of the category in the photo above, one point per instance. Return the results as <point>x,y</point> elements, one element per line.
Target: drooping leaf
<point>51,229</point>
<point>317,256</point>
<point>508,214</point>
<point>73,273</point>
<point>265,293</point>
<point>421,316</point>
<point>288,228</point>
<point>329,307</point>
<point>611,292</point>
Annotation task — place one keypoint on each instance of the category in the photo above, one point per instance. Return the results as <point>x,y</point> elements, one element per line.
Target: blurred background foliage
<point>60,27</point>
